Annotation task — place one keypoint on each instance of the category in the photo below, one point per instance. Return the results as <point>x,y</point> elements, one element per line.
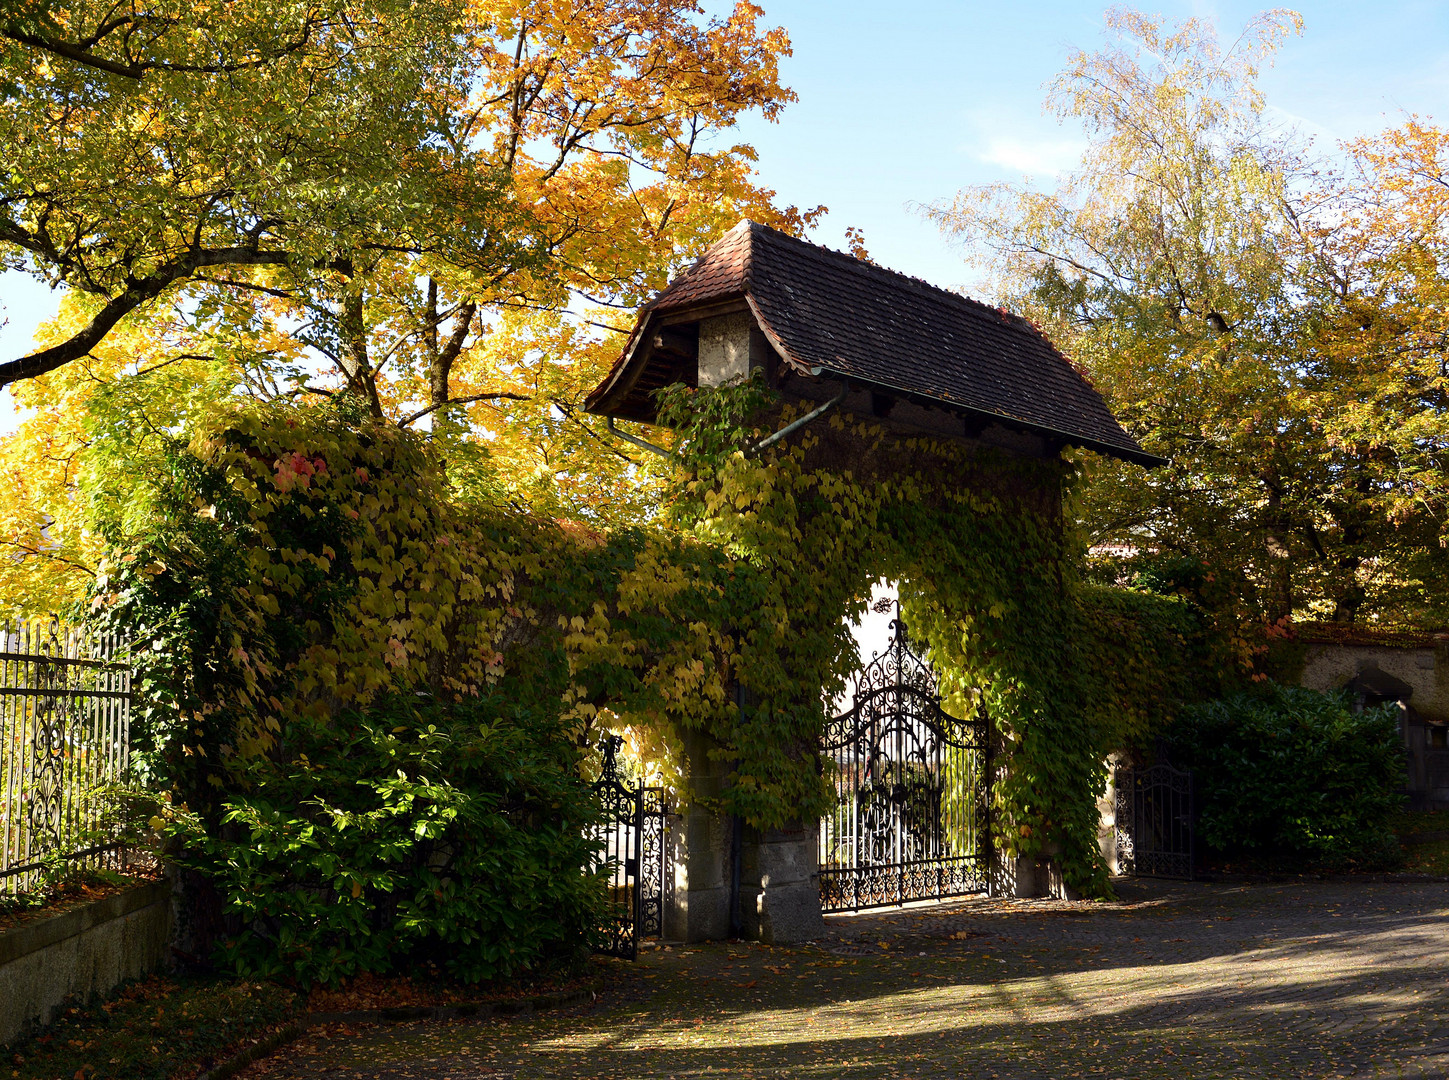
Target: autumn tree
<point>445,210</point>
<point>1203,267</point>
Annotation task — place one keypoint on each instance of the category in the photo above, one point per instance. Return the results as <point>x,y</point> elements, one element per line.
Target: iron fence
<point>65,697</point>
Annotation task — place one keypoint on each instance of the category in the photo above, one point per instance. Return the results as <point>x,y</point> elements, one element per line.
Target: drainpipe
<point>796,425</point>
<point>737,828</point>
<point>636,441</point>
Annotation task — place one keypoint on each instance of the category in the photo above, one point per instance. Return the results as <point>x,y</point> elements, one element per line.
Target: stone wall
<point>1333,666</point>
<point>1415,675</point>
<point>82,953</point>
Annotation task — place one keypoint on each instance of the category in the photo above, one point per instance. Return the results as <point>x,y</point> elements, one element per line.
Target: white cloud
<point>1014,142</point>
<point>1033,156</point>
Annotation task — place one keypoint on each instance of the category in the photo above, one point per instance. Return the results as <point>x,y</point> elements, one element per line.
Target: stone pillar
<point>779,888</point>
<point>780,885</point>
<point>698,908</point>
<point>730,347</point>
<point>1026,878</point>
<point>1107,819</point>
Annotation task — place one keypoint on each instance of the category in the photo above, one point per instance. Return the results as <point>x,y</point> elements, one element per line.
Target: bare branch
<point>139,292</point>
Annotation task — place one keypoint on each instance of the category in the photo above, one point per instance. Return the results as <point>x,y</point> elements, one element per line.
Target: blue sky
<point>904,103</point>
<point>908,102</point>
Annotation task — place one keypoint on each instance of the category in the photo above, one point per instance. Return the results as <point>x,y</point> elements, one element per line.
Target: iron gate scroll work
<point>912,810</point>
<point>64,742</point>
<point>1154,822</point>
<point>630,851</point>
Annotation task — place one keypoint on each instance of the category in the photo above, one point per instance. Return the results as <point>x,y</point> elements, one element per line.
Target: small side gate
<point>912,814</point>
<point>1154,821</point>
<point>630,843</point>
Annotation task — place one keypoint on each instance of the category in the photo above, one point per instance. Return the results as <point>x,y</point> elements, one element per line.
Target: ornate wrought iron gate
<point>912,814</point>
<point>1154,821</point>
<point>64,741</point>
<point>631,848</point>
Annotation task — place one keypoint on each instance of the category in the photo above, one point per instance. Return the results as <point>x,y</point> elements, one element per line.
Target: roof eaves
<point>1138,456</point>
<point>622,365</point>
<point>776,341</point>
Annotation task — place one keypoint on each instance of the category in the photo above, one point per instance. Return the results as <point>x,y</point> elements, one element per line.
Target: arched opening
<point>841,425</point>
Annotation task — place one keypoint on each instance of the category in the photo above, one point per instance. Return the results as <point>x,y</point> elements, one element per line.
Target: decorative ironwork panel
<point>1155,822</point>
<point>617,843</point>
<point>653,862</point>
<point>912,814</point>
<point>1126,826</point>
<point>64,740</point>
<point>631,845</point>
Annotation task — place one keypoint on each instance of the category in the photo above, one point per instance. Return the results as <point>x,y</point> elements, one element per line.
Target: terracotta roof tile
<point>879,327</point>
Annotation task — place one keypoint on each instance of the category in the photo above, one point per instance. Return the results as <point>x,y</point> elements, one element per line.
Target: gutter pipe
<point>636,441</point>
<point>796,425</point>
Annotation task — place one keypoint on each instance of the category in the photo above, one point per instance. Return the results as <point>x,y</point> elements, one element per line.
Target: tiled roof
<point>824,309</point>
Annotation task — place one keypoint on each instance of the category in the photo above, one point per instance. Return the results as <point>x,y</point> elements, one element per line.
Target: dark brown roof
<point>827,310</point>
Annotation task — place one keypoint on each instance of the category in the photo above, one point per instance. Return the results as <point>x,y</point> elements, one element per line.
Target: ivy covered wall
<point>297,567</point>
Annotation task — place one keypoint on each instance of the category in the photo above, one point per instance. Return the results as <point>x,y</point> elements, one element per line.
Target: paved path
<point>1176,980</point>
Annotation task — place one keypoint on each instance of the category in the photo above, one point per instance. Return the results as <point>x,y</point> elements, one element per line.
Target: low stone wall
<point>1414,673</point>
<point>82,953</point>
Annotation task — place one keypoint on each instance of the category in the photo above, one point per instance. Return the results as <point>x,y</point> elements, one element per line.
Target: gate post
<point>698,907</point>
<point>1107,824</point>
<point>780,885</point>
<point>779,893</point>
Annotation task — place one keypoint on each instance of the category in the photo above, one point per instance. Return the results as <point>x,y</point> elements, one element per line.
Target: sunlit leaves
<point>1268,323</point>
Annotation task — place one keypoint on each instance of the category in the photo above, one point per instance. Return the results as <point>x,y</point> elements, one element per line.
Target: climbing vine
<point>299,566</point>
<point>977,540</point>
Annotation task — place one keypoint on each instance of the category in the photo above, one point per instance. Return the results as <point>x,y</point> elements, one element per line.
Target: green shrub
<point>414,832</point>
<point>1290,771</point>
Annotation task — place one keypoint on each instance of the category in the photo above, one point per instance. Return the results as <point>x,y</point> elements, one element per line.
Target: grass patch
<point>158,1028</point>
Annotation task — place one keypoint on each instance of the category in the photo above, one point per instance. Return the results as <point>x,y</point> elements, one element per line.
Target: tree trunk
<point>353,355</point>
<point>441,358</point>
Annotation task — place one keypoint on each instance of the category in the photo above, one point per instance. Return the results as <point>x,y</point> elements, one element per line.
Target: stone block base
<point>780,886</point>
<point>698,908</point>
<point>1030,878</point>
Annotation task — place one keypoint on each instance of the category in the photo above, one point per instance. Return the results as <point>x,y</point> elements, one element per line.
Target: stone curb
<point>255,1052</point>
<point>41,933</point>
<point>1325,879</point>
<point>396,1015</point>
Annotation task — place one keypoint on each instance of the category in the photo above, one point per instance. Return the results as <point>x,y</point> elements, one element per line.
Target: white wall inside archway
<point>872,632</point>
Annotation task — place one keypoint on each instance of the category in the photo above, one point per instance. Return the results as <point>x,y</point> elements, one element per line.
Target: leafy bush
<point>413,832</point>
<point>1291,771</point>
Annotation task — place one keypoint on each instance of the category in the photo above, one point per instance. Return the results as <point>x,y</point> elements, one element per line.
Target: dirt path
<point>1174,981</point>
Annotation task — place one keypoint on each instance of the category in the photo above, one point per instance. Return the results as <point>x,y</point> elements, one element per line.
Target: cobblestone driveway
<point>1176,980</point>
